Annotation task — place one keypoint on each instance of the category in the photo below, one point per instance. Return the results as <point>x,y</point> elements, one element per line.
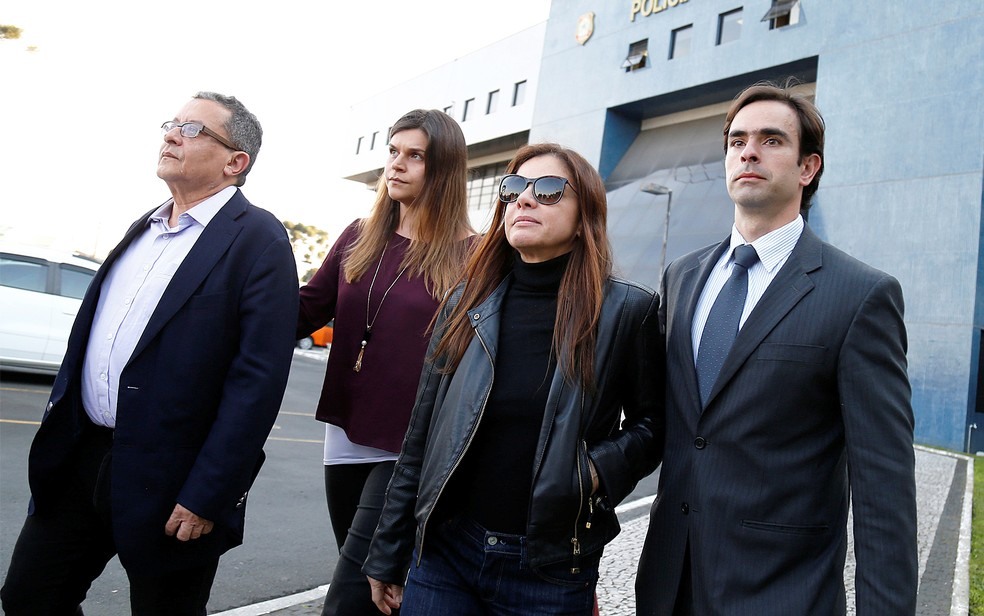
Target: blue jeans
<point>469,570</point>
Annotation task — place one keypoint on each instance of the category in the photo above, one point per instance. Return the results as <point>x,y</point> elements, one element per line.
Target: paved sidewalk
<point>944,486</point>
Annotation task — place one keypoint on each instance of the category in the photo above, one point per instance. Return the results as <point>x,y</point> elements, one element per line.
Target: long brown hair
<point>581,288</point>
<point>440,217</point>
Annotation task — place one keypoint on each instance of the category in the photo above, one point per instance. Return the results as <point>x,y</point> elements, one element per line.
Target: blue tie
<point>722,322</point>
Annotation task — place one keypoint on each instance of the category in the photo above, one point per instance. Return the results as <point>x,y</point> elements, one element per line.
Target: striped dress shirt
<point>773,250</point>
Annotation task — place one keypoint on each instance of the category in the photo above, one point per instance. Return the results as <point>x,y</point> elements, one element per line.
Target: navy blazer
<point>198,396</point>
<point>812,408</point>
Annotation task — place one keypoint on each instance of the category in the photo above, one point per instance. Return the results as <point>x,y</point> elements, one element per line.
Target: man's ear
<point>811,165</point>
<point>237,163</point>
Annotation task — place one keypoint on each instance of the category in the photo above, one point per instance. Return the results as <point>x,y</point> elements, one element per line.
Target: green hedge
<point>977,543</point>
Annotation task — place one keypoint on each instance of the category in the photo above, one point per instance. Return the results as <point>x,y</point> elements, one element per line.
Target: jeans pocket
<point>560,573</point>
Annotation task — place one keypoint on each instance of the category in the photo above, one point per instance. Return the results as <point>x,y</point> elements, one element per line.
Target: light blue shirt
<point>129,295</point>
<point>773,250</point>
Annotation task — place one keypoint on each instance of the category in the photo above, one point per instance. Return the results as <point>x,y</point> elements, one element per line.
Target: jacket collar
<point>484,318</point>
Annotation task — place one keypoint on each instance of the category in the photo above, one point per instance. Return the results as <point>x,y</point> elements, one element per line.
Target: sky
<point>87,86</point>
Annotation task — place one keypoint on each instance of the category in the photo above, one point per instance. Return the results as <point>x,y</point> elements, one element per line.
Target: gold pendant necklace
<point>369,323</point>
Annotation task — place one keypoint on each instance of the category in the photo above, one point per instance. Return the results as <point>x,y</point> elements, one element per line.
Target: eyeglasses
<point>192,129</point>
<point>547,190</point>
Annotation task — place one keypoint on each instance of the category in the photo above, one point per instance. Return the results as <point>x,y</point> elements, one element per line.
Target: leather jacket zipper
<point>488,392</point>
<point>576,543</point>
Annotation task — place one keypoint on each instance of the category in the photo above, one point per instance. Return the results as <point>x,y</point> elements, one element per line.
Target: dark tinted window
<point>681,40</point>
<point>23,274</point>
<point>74,281</point>
<point>729,26</point>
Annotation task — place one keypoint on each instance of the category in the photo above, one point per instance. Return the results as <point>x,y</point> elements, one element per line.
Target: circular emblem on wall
<point>585,28</point>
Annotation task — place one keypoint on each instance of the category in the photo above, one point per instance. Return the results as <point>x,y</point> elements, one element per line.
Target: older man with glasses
<point>174,374</point>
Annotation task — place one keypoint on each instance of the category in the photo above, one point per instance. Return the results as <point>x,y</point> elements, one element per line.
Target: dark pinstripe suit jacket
<point>812,408</point>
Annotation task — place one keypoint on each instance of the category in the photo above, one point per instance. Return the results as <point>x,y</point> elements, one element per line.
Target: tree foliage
<point>310,243</point>
<point>10,32</point>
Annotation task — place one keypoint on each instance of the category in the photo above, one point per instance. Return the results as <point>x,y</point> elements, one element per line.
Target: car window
<point>21,274</point>
<point>74,281</point>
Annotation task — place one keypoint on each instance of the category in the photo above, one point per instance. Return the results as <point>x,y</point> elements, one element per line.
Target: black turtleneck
<point>493,485</point>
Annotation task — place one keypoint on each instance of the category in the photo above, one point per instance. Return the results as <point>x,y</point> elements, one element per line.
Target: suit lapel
<point>208,249</point>
<point>790,285</point>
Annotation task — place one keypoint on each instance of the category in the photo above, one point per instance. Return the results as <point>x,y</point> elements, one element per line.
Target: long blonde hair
<point>440,218</point>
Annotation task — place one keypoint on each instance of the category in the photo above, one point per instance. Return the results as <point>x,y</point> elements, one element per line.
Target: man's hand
<point>387,597</point>
<point>185,525</point>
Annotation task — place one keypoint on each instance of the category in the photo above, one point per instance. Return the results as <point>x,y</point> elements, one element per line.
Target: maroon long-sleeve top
<point>373,405</point>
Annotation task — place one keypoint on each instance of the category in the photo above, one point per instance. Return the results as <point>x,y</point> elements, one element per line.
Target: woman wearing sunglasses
<point>382,282</point>
<point>517,453</point>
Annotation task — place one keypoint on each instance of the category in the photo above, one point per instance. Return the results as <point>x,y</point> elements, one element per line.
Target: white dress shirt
<point>773,250</point>
<point>129,296</point>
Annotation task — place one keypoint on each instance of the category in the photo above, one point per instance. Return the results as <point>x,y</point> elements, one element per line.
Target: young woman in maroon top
<point>382,282</point>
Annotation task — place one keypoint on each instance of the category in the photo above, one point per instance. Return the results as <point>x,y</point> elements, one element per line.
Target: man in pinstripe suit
<point>810,410</point>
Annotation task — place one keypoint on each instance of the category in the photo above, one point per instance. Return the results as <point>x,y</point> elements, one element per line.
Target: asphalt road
<point>289,545</point>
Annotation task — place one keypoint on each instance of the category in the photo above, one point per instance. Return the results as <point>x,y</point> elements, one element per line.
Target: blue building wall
<point>901,86</point>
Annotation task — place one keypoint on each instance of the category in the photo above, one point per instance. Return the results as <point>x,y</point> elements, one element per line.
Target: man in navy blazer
<point>810,412</point>
<point>175,371</point>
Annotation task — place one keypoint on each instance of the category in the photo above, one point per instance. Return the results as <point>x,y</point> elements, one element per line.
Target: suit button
<point>699,442</point>
<point>684,508</point>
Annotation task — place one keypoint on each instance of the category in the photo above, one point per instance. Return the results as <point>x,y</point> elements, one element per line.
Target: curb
<point>266,607</point>
<point>960,600</point>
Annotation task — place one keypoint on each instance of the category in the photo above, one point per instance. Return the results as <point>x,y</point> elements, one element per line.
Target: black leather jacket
<point>565,520</point>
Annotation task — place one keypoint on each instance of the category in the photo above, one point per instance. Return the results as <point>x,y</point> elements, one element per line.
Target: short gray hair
<point>243,128</point>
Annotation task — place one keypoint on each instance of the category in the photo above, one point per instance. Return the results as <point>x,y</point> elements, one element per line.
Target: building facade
<point>491,93</point>
<point>640,87</point>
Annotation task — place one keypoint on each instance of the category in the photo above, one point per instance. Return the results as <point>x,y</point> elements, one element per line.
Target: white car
<point>40,294</point>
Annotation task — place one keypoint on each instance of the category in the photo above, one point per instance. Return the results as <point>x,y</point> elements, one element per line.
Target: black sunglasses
<point>548,189</point>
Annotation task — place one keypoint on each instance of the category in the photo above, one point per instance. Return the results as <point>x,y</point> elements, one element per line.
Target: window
<point>358,145</point>
<point>493,102</point>
<point>637,56</point>
<point>482,185</point>
<point>519,93</point>
<point>729,26</point>
<point>449,109</point>
<point>372,143</point>
<point>23,274</point>
<point>782,13</point>
<point>74,281</point>
<point>468,106</point>
<point>680,40</point>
